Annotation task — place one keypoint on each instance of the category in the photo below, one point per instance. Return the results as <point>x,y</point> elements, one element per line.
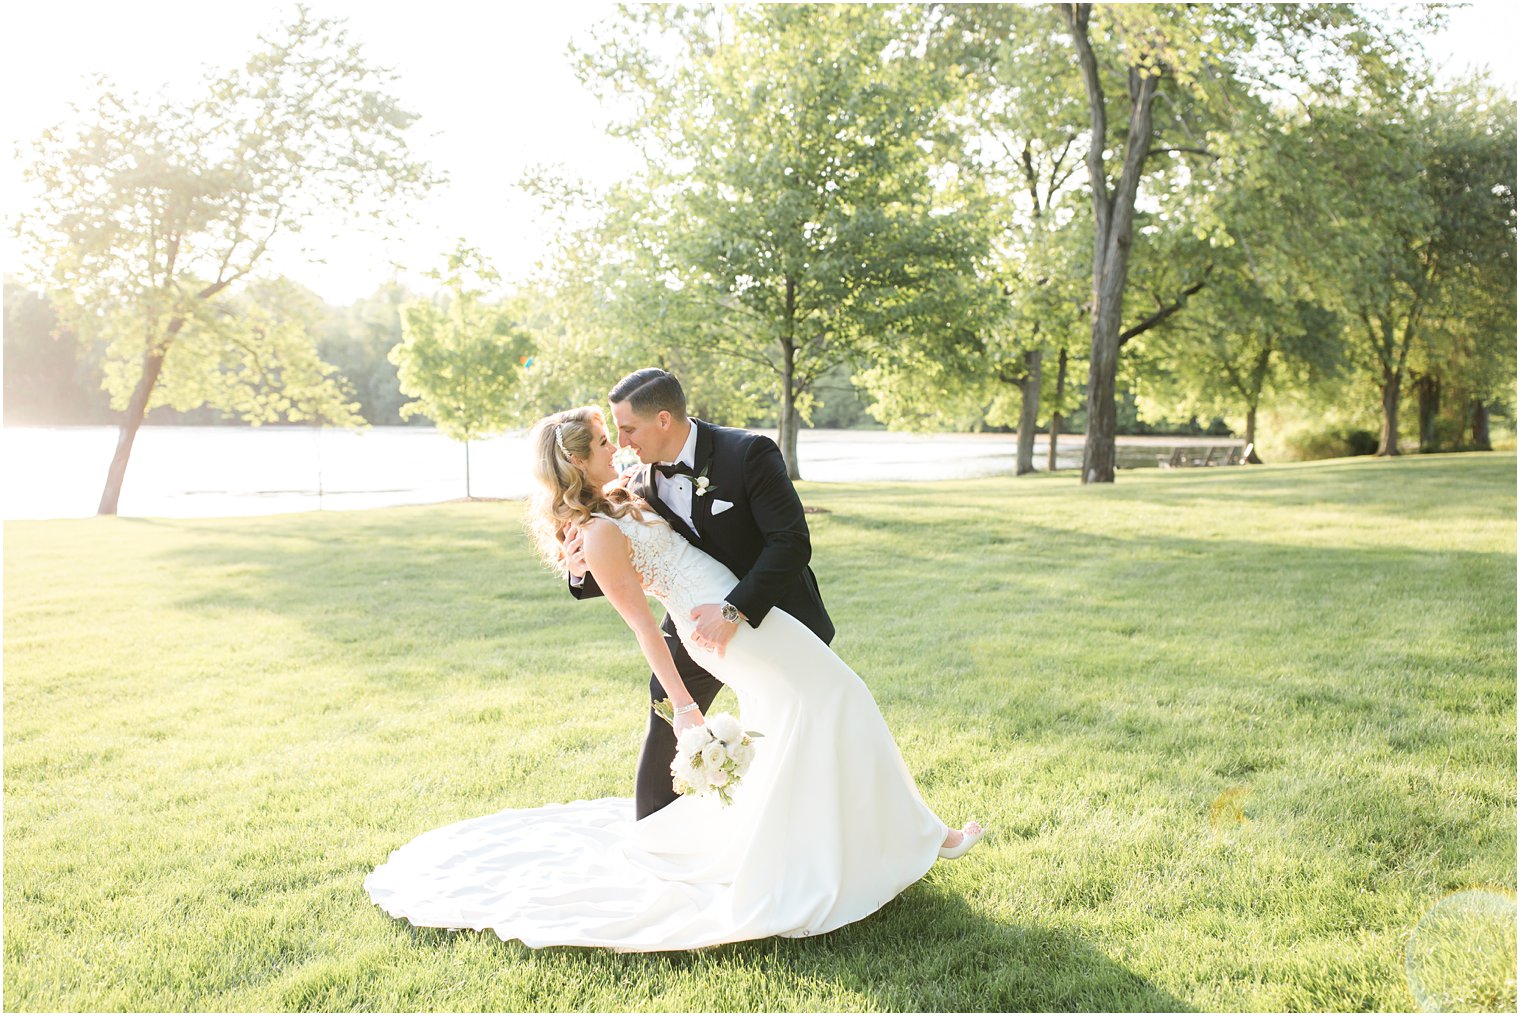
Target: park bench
<point>1228,455</point>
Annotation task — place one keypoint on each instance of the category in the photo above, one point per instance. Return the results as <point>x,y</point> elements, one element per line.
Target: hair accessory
<point>560,441</point>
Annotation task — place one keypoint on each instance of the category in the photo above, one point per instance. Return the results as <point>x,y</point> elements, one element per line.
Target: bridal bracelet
<point>683,710</point>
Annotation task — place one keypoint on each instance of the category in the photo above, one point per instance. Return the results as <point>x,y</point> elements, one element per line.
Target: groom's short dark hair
<point>650,390</point>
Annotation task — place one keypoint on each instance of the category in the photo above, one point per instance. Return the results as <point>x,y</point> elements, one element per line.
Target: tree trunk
<point>1055,414</point>
<point>1428,391</point>
<point>467,493</point>
<point>1102,414</point>
<point>787,430</point>
<point>1029,410</point>
<point>1388,440</point>
<point>153,365</point>
<point>1480,426</point>
<point>1252,458</point>
<point>1113,220</point>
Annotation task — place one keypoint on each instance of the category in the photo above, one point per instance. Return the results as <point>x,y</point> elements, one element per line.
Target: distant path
<point>201,472</point>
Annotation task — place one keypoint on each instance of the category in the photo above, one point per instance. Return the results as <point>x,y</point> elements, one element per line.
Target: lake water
<point>197,472</point>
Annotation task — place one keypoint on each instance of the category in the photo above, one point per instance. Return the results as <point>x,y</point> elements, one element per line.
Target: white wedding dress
<point>825,828</point>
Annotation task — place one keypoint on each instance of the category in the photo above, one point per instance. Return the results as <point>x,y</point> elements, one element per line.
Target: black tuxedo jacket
<point>763,538</point>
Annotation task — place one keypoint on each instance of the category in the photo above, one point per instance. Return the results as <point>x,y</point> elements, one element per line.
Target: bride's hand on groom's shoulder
<point>575,552</point>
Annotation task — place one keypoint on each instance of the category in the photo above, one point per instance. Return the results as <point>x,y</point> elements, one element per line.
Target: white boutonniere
<point>702,484</point>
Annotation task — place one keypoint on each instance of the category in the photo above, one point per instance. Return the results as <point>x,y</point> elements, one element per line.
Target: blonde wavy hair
<point>566,496</point>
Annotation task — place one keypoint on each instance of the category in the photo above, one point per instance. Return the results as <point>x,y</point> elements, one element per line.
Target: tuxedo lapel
<point>648,491</point>
<point>701,504</point>
<point>644,485</point>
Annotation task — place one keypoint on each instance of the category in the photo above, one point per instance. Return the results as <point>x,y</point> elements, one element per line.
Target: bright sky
<point>491,80</point>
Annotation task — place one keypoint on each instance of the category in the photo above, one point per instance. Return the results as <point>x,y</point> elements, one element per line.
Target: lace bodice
<point>673,571</point>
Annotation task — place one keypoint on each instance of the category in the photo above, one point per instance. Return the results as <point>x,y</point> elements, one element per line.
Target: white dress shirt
<point>676,490</point>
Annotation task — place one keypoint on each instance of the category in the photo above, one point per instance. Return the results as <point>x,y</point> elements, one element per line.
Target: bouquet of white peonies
<point>712,758</point>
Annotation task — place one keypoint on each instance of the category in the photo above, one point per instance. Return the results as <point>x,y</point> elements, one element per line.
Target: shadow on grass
<point>1399,488</point>
<point>1365,485</point>
<point>928,950</point>
<point>394,587</point>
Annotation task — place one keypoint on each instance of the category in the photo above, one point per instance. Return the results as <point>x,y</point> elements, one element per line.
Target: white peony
<point>742,753</point>
<point>725,728</point>
<point>718,778</point>
<point>692,740</point>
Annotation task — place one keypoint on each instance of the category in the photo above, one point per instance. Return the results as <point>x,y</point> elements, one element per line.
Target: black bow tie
<point>675,469</point>
<point>672,469</point>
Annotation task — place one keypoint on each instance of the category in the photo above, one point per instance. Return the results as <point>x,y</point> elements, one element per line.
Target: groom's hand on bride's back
<point>712,632</point>
<point>575,552</point>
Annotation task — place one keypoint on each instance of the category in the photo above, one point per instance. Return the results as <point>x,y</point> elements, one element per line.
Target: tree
<point>1013,113</point>
<point>1423,249</point>
<point>793,155</point>
<point>1236,344</point>
<point>1260,324</point>
<point>600,305</point>
<point>1207,61</point>
<point>1463,355</point>
<point>461,359</point>
<point>151,213</point>
<point>250,353</point>
<point>1020,115</point>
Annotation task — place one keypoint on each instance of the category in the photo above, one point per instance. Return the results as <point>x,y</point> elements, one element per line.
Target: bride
<point>825,828</point>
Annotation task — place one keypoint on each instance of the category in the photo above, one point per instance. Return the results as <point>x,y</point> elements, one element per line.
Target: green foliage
<point>1330,444</point>
<point>251,355</point>
<point>1260,327</point>
<point>151,212</point>
<point>53,376</point>
<point>791,216</point>
<point>150,209</point>
<point>1196,79</point>
<point>357,340</point>
<point>461,358</point>
<point>1419,195</point>
<point>1018,157</point>
<point>589,317</point>
<point>1466,342</point>
<point>206,751</point>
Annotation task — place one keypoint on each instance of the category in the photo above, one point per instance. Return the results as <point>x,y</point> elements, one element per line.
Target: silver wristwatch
<point>731,613</point>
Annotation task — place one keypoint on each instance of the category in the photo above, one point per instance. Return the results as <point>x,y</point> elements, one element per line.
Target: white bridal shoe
<point>969,839</point>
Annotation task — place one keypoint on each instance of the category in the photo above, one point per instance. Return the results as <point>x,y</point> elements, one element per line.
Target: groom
<point>726,492</point>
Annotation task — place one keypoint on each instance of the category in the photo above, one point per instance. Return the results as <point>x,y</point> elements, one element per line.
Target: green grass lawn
<point>1235,733</point>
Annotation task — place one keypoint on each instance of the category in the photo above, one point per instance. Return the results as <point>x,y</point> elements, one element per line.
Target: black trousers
<point>652,790</point>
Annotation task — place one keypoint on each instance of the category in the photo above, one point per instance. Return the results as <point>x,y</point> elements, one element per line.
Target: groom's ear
<point>663,419</point>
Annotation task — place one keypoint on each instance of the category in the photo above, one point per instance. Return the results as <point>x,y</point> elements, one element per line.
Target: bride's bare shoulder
<point>606,546</point>
<point>601,529</point>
